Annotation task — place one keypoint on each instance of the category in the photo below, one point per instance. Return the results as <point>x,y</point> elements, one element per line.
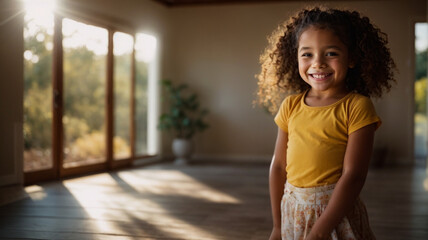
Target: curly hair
<point>371,76</point>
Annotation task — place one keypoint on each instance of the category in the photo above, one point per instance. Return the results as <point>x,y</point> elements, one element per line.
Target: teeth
<point>319,75</point>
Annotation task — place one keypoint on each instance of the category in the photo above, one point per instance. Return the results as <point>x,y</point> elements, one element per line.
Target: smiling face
<point>323,61</point>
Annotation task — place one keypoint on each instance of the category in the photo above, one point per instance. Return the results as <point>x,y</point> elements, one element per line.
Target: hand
<point>276,234</point>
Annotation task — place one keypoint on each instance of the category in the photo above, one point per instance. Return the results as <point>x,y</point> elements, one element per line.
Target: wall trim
<point>15,177</point>
<point>233,158</point>
<point>9,179</point>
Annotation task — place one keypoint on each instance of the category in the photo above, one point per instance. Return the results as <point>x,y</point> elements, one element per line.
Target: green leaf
<point>182,86</point>
<point>176,112</point>
<point>187,122</point>
<point>184,116</point>
<point>166,82</point>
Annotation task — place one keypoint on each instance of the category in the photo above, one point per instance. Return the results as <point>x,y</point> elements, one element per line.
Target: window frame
<point>58,171</point>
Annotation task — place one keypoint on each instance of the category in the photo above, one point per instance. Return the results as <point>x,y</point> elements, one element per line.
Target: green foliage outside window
<point>420,118</point>
<point>421,82</point>
<point>421,95</point>
<point>84,104</point>
<point>421,64</point>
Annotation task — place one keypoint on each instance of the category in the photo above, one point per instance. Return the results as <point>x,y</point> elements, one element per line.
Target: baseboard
<point>16,176</point>
<point>11,194</point>
<point>233,158</point>
<point>9,180</point>
<point>147,161</point>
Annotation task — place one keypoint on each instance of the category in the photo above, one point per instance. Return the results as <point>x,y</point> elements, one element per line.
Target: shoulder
<point>358,97</point>
<point>292,100</point>
<point>359,101</point>
<point>289,104</point>
<point>286,109</point>
<point>361,112</point>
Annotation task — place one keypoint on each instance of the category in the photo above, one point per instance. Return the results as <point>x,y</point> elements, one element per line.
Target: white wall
<point>216,51</point>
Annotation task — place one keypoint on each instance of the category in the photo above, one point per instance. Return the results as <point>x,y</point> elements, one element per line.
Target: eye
<point>332,54</point>
<point>306,55</point>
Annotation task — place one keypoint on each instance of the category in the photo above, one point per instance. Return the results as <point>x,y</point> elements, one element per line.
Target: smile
<point>320,76</point>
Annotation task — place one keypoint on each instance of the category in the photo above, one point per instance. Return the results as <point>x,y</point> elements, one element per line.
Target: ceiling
<point>175,3</point>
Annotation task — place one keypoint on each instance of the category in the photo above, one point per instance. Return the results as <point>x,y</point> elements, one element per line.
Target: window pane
<point>38,35</point>
<point>420,117</point>
<point>141,108</point>
<point>123,46</point>
<point>144,53</point>
<point>85,56</point>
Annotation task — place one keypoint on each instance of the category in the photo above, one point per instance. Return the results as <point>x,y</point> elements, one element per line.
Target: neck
<point>337,94</point>
<point>323,98</point>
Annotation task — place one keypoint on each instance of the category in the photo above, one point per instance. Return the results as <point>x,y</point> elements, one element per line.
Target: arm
<point>348,188</point>
<point>277,178</point>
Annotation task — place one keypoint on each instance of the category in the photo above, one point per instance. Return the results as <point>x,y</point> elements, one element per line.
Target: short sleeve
<point>281,118</point>
<point>362,113</point>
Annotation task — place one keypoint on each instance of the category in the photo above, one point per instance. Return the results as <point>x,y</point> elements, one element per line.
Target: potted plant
<point>184,119</point>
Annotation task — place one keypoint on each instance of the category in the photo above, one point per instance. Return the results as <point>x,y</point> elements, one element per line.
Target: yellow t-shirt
<point>317,136</point>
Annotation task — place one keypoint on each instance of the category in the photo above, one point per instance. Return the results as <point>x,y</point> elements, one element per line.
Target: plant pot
<point>182,149</point>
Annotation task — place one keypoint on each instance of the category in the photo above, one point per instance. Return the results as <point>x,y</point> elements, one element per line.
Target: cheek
<point>340,66</point>
<point>302,74</point>
<point>302,68</point>
<point>300,65</point>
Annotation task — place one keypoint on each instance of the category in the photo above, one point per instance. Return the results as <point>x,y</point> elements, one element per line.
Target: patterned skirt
<point>301,207</point>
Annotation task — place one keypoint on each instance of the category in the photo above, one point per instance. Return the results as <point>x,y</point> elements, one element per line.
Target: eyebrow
<point>328,47</point>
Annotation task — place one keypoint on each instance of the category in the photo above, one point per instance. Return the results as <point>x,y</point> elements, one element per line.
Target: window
<point>420,117</point>
<point>86,101</point>
<point>84,66</point>
<point>145,48</point>
<point>38,44</point>
<point>123,49</point>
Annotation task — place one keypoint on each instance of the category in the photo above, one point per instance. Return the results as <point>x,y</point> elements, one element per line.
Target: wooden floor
<point>200,201</point>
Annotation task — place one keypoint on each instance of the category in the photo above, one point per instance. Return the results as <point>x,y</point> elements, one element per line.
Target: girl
<point>334,60</point>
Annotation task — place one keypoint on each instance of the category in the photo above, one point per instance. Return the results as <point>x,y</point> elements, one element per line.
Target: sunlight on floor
<point>36,192</point>
<point>179,184</point>
<point>113,199</point>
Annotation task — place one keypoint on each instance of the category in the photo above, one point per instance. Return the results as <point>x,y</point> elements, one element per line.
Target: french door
<point>80,98</point>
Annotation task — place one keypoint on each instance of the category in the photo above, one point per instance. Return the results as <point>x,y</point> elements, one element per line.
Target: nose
<point>318,61</point>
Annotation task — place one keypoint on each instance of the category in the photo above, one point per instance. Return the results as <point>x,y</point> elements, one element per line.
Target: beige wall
<point>216,50</point>
<point>11,85</point>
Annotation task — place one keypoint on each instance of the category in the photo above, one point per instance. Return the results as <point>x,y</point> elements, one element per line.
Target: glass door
<point>83,109</point>
<point>38,45</point>
<point>145,49</point>
<point>123,47</point>
<point>85,67</point>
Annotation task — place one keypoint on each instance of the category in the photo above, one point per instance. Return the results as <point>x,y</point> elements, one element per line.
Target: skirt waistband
<point>310,189</point>
<point>313,195</point>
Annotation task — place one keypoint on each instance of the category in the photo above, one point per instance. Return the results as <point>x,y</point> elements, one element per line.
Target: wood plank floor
<point>200,201</point>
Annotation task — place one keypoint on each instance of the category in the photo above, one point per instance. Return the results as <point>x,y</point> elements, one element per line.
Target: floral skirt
<point>301,207</point>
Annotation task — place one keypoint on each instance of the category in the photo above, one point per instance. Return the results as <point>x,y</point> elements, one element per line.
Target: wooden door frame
<point>58,171</point>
